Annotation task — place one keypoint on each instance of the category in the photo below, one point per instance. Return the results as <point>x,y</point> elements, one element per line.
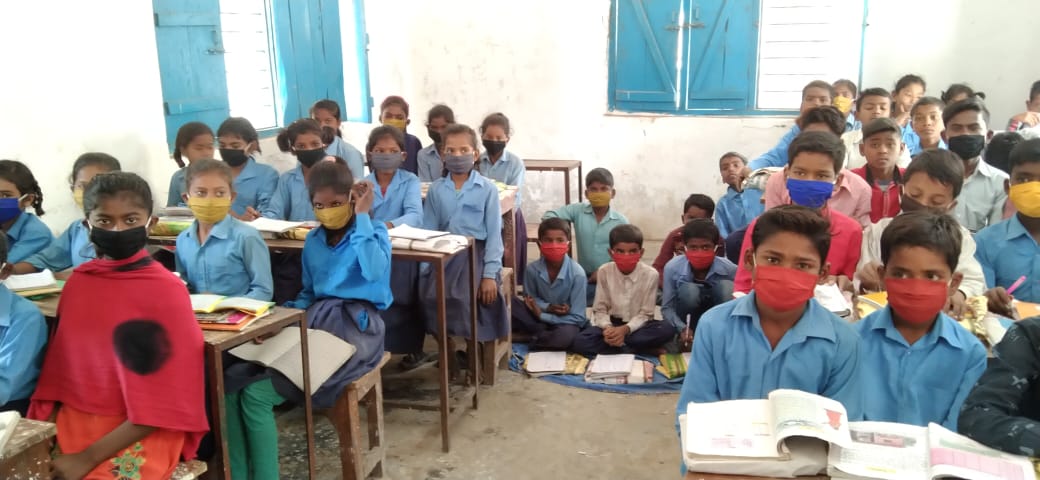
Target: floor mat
<point>658,386</point>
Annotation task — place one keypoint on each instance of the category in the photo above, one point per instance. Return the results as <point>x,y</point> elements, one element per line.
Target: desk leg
<point>216,396</point>
<point>581,178</point>
<point>308,410</point>
<point>474,355</point>
<point>442,351</point>
<point>567,187</point>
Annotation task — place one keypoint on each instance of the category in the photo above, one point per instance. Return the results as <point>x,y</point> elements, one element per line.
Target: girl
<point>327,114</point>
<point>429,158</point>
<point>394,112</point>
<point>254,182</point>
<point>498,164</point>
<point>290,200</point>
<point>219,254</point>
<point>194,141</point>
<point>909,89</point>
<point>135,411</point>
<point>26,234</point>
<point>73,247</point>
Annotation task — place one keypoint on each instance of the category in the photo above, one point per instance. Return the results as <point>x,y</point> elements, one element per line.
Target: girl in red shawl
<point>123,375</point>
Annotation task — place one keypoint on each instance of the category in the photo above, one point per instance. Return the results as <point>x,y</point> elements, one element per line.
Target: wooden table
<point>564,166</point>
<point>28,453</point>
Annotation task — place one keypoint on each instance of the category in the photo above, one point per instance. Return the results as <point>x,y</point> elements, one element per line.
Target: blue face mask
<point>10,208</point>
<point>809,193</point>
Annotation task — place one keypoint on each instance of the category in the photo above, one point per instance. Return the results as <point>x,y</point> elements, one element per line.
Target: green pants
<point>252,433</point>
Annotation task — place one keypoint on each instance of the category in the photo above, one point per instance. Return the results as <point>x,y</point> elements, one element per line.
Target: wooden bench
<point>357,461</point>
<point>189,470</point>
<point>494,354</point>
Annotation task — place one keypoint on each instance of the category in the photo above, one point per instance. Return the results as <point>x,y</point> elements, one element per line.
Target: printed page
<point>412,233</point>
<point>954,455</point>
<point>203,302</point>
<point>30,281</point>
<point>881,450</point>
<point>731,428</point>
<point>612,364</point>
<point>546,362</point>
<point>797,413</point>
<point>248,305</point>
<point>265,224</point>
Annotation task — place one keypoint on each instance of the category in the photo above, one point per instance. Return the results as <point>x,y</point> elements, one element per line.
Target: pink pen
<point>1018,283</point>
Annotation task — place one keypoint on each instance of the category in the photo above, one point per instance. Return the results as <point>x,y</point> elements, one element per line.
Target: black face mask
<point>309,157</point>
<point>233,157</point>
<point>967,146</point>
<point>118,245</point>
<point>494,147</point>
<point>435,136</point>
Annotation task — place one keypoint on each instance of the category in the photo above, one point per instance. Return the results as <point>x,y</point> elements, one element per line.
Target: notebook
<point>545,363</point>
<point>412,233</point>
<point>270,225</point>
<point>206,303</point>
<point>234,321</point>
<point>33,284</point>
<point>282,352</point>
<point>610,366</point>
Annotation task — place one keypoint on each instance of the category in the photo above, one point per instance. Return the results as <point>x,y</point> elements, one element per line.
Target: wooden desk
<point>49,306</point>
<point>28,453</point>
<point>716,476</point>
<point>564,166</point>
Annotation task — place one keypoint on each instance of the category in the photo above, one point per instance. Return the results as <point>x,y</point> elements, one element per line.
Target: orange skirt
<point>153,457</point>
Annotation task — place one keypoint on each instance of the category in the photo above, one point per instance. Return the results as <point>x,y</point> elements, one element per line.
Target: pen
<point>1018,283</point>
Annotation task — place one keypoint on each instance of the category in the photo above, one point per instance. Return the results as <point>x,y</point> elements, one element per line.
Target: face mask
<point>385,162</point>
<point>626,262</point>
<point>118,245</point>
<point>916,300</point>
<point>598,199</point>
<point>554,252</point>
<point>458,163</point>
<point>700,259</point>
<point>1026,198</point>
<point>434,135</point>
<point>77,196</point>
<point>209,209</point>
<point>844,105</point>
<point>329,134</point>
<point>334,218</point>
<point>783,289</point>
<point>967,146</point>
<point>494,148</point>
<point>232,157</point>
<point>398,124</point>
<point>809,193</point>
<point>10,208</point>
<point>309,157</point>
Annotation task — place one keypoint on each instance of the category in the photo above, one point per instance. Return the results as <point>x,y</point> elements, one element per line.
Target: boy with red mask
<point>623,311</point>
<point>552,309</point>
<point>696,281</point>
<point>918,364</point>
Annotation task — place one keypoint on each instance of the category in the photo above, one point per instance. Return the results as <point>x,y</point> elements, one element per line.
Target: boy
<point>552,310</point>
<point>817,93</point>
<point>931,182</point>
<point>918,364</point>
<point>623,313</point>
<point>777,336</point>
<point>696,206</point>
<point>23,334</point>
<point>926,118</point>
<point>697,281</point>
<point>873,104</point>
<point>812,176</point>
<point>429,159</point>
<point>737,207</point>
<point>882,144</point>
<point>1030,118</point>
<point>997,153</point>
<point>394,112</point>
<point>844,96</point>
<point>1008,250</point>
<point>593,221</point>
<point>966,134</point>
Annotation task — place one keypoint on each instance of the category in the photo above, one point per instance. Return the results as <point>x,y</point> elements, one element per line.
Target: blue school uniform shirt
<point>356,268</point>
<point>23,334</point>
<point>174,199</point>
<point>472,211</point>
<point>920,383</point>
<point>568,289</point>
<point>735,210</point>
<point>402,203</point>
<point>412,145</point>
<point>679,270</point>
<point>69,250</point>
<point>1006,251</point>
<point>777,157</point>
<point>27,236</point>
<point>291,200</point>
<point>355,160</point>
<point>732,359</point>
<point>234,261</point>
<point>509,169</point>
<point>255,185</point>
<point>593,238</point>
<point>910,138</point>
<point>429,163</point>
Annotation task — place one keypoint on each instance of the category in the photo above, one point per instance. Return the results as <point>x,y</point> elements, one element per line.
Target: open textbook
<point>283,352</point>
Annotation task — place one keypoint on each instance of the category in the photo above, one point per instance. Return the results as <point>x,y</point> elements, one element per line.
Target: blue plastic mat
<point>660,385</point>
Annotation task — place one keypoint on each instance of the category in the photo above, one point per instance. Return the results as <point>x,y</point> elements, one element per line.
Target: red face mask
<point>916,300</point>
<point>700,259</point>
<point>554,252</point>
<point>626,262</point>
<point>783,289</point>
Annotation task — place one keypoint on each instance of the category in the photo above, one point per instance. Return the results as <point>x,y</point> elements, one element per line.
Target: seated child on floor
<point>23,334</point>
<point>738,206</point>
<point>696,206</point>
<point>882,145</point>
<point>623,313</point>
<point>696,281</point>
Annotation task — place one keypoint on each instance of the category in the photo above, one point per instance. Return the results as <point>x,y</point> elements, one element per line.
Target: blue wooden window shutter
<point>722,44</point>
<point>309,54</point>
<point>643,57</point>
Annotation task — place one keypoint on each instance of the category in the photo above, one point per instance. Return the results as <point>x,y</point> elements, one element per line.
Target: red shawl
<point>127,344</point>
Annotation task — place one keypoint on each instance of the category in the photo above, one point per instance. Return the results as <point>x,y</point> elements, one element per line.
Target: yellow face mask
<point>334,218</point>
<point>77,196</point>
<point>393,122</point>
<point>209,209</point>
<point>1026,198</point>
<point>599,199</point>
<point>843,104</point>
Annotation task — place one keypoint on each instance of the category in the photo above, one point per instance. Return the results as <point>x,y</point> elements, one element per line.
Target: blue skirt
<point>405,330</point>
<point>492,321</point>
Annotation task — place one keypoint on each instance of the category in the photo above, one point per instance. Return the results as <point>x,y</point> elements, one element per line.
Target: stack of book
<point>32,284</point>
<point>618,370</point>
<point>215,312</point>
<point>540,364</point>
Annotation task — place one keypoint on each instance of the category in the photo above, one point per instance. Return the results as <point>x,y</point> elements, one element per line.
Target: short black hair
<point>185,135</point>
<point>208,165</point>
<point>1034,90</point>
<point>382,132</point>
<point>599,175</point>
<point>818,84</point>
<point>818,142</point>
<point>460,129</point>
<point>873,92</point>
<point>939,233</point>
<point>907,80</point>
<point>114,184</point>
<point>328,105</point>
<point>940,165</point>
<point>554,223</point>
<point>726,155</point>
<point>626,233</point>
<point>959,89</point>
<point>441,111</point>
<point>702,228</point>
<point>94,159</point>
<point>1027,151</point>
<point>333,175</point>
<point>241,128</point>
<point>926,101</point>
<point>998,150</point>
<point>287,136</point>
<point>700,201</point>
<point>827,115</point>
<point>497,118</point>
<point>844,82</point>
<point>879,125</point>
<point>797,220</point>
<point>971,103</point>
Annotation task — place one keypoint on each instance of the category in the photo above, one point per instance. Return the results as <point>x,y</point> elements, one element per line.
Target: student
<point>872,104</point>
<point>623,311</point>
<point>552,310</point>
<point>697,281</point>
<point>73,247</point>
<point>326,112</point>
<point>997,153</point>
<point>696,206</point>
<point>1030,118</point>
<point>394,112</point>
<point>966,133</point>
<point>882,144</point>
<point>909,89</point>
<point>812,174</point>
<point>254,182</point>
<point>932,183</point>
<point>777,336</point>
<point>738,206</point>
<point>959,91</point>
<point>23,334</point>
<point>463,202</point>
<point>26,233</point>
<point>593,221</point>
<point>927,122</point>
<point>816,93</point>
<point>918,364</point>
<point>125,388</point>
<point>194,142</point>
<point>844,97</point>
<point>429,159</point>
<point>290,200</point>
<point>504,166</point>
<point>218,254</point>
